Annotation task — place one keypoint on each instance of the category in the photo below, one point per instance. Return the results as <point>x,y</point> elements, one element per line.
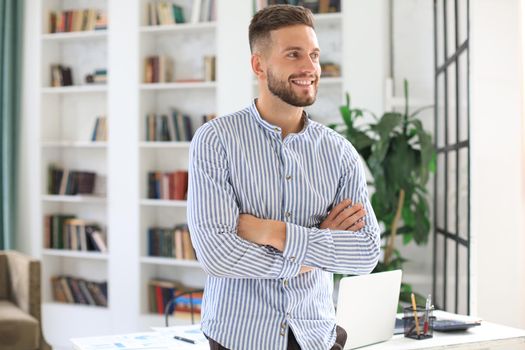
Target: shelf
<point>75,254</point>
<point>165,144</point>
<point>75,144</point>
<point>183,27</point>
<point>74,308</point>
<point>83,35</point>
<point>155,260</point>
<point>326,18</point>
<point>72,198</point>
<point>163,203</point>
<point>75,89</point>
<point>179,86</point>
<point>330,80</point>
<point>322,81</point>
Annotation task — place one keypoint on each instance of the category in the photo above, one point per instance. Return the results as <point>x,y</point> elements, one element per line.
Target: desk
<point>485,336</point>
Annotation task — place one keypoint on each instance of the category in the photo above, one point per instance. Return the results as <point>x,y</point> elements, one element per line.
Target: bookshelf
<point>67,119</point>
<point>121,205</point>
<point>189,93</point>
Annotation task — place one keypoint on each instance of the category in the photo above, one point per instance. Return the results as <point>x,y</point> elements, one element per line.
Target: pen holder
<point>425,321</point>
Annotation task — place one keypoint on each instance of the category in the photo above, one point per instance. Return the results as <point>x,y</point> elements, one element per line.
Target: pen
<point>427,310</point>
<point>185,339</point>
<point>414,307</point>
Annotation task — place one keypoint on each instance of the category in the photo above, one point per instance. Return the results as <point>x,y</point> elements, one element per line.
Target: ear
<point>258,65</point>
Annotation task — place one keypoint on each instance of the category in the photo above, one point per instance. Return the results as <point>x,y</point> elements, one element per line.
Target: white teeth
<point>302,82</point>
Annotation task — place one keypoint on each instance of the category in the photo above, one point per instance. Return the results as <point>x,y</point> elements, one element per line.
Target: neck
<point>277,112</point>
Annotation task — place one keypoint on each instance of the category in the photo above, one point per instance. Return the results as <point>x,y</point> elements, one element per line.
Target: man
<point>277,203</point>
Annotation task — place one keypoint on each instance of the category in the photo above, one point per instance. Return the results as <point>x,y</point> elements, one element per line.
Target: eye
<point>293,54</point>
<point>315,55</point>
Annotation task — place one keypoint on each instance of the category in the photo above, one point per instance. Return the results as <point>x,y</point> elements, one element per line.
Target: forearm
<point>331,250</point>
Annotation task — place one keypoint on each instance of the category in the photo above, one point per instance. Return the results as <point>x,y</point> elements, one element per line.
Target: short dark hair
<point>275,17</point>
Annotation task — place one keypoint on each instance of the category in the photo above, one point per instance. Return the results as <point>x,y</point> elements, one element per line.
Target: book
<point>196,11</point>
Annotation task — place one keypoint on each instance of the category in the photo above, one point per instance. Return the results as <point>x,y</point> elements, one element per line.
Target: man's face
<point>292,69</point>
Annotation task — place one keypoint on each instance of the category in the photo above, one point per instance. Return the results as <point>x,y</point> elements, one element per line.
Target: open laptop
<point>367,306</point>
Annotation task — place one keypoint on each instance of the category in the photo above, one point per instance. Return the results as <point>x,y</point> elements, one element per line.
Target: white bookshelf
<point>186,44</point>
<point>66,119</point>
<point>163,203</point>
<point>78,89</point>
<point>169,261</point>
<point>75,254</point>
<point>159,144</point>
<point>73,199</point>
<point>183,27</point>
<point>76,36</point>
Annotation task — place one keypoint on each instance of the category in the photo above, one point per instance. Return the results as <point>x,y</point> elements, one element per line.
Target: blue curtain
<point>11,17</point>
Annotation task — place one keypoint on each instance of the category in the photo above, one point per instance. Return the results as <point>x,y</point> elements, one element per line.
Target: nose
<point>309,65</point>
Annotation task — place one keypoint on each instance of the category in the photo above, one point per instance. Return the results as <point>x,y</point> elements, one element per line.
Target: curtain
<point>11,17</point>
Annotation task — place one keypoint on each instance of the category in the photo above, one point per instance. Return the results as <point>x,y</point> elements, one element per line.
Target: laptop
<point>367,306</point>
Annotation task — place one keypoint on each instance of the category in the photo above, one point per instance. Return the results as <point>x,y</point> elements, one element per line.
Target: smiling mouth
<point>303,82</point>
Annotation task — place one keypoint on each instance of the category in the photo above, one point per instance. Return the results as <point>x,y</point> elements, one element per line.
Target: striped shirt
<point>239,164</point>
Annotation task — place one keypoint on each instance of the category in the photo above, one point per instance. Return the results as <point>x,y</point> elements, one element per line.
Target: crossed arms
<point>231,244</point>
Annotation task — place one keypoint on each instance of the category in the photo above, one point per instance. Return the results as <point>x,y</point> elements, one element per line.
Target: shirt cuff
<point>296,243</point>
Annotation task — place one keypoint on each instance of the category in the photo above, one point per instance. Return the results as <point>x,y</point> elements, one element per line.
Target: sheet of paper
<point>149,340</point>
<point>192,332</point>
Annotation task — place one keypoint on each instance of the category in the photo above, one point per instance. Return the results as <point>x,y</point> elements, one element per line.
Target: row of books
<point>316,6</point>
<point>164,13</point>
<point>204,11</point>
<point>161,292</point>
<point>172,242</point>
<point>158,69</point>
<point>330,69</point>
<point>100,130</point>
<point>61,75</point>
<point>76,20</point>
<point>67,289</point>
<point>70,182</point>
<point>176,127</point>
<point>68,232</point>
<point>99,76</point>
<point>169,186</point>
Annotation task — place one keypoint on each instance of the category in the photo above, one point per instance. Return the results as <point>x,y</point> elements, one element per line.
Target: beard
<point>283,90</point>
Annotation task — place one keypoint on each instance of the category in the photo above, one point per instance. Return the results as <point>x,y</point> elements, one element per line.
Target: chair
<point>20,303</point>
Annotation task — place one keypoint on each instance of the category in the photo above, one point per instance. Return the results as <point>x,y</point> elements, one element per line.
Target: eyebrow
<point>298,48</point>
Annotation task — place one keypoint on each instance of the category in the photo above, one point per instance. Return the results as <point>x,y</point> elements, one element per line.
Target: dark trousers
<point>340,341</point>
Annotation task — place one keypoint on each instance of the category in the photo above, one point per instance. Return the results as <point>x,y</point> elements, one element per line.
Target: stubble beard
<point>283,90</point>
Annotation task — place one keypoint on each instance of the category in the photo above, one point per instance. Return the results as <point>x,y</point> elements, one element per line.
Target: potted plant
<point>399,153</point>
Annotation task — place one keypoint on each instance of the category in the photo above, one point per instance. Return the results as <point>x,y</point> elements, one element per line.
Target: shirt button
<point>285,282</point>
<point>292,258</point>
<point>276,129</point>
<point>287,214</point>
<point>289,177</point>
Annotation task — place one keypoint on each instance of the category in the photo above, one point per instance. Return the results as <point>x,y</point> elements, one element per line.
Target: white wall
<point>498,264</point>
<point>413,59</point>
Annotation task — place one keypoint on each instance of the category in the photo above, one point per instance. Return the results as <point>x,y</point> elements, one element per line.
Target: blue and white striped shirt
<point>239,164</point>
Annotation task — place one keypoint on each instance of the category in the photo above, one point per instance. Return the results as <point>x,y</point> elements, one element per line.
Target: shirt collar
<point>274,129</point>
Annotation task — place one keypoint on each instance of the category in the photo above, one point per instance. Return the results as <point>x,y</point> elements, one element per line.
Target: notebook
<point>366,307</point>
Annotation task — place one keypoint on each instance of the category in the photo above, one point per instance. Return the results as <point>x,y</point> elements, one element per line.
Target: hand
<point>305,269</point>
<point>345,217</point>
